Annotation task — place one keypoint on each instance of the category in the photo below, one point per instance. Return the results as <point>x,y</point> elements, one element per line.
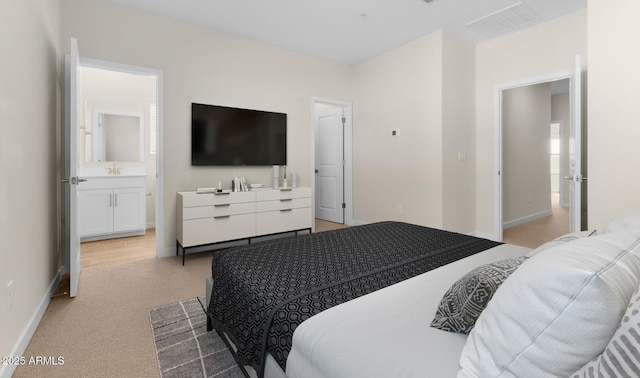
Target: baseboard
<point>526,219</point>
<point>7,371</point>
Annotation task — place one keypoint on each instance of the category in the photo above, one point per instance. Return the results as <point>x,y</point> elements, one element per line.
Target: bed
<point>263,293</point>
<point>569,308</point>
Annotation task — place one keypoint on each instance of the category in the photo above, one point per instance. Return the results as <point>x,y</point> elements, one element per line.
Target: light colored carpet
<point>105,331</point>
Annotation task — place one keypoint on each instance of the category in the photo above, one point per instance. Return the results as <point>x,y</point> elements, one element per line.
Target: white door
<point>575,150</point>
<point>330,165</point>
<point>71,154</point>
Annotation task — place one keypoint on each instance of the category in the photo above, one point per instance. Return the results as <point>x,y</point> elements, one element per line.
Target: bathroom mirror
<point>115,136</point>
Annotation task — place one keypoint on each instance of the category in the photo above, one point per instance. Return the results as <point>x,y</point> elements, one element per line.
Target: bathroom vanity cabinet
<point>111,206</point>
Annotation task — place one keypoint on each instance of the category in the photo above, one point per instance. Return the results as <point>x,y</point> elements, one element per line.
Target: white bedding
<point>387,333</point>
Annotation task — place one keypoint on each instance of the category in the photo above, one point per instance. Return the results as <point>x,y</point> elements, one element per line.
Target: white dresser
<point>111,206</point>
<point>218,217</point>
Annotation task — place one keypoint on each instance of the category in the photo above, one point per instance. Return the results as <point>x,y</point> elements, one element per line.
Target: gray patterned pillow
<point>621,357</point>
<point>463,303</point>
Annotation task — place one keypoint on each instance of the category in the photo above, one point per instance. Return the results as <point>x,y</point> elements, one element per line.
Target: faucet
<point>115,170</point>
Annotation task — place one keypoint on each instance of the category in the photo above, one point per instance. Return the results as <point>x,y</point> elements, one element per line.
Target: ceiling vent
<point>503,21</point>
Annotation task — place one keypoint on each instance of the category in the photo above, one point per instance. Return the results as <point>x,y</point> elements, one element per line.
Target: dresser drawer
<point>270,195</point>
<point>283,204</point>
<point>209,199</point>
<point>213,230</point>
<point>271,222</point>
<point>218,210</point>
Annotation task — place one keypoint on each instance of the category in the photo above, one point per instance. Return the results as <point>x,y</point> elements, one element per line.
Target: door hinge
<point>344,205</point>
<point>344,120</point>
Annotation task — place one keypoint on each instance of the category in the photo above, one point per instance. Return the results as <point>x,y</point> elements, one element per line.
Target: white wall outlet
<point>462,156</point>
<point>11,295</point>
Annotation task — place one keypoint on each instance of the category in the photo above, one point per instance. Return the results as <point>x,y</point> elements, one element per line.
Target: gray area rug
<point>184,347</point>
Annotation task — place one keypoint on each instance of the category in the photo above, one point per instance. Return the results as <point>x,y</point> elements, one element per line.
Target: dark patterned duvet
<point>262,292</point>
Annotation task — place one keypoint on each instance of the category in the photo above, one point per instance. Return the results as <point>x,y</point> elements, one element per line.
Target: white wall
<point>400,89</point>
<point>526,186</point>
<point>614,110</point>
<point>535,52</point>
<point>425,91</point>
<point>30,191</point>
<point>399,177</point>
<point>200,65</point>
<point>458,135</point>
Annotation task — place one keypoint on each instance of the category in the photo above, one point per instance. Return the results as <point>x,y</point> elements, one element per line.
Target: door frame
<point>498,97</point>
<point>145,71</point>
<point>347,108</point>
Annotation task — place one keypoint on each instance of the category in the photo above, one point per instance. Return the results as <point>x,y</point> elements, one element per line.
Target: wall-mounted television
<point>224,136</point>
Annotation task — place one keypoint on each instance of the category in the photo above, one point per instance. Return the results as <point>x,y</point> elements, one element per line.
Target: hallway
<point>537,232</point>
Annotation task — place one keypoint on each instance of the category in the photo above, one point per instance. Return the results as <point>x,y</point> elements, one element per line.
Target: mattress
<point>386,333</point>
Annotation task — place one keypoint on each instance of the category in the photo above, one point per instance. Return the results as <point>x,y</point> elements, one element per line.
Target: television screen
<point>226,136</point>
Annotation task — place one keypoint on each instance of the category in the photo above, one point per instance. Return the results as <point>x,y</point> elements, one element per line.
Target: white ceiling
<point>351,31</point>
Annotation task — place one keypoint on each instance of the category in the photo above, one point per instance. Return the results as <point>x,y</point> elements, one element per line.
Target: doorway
<point>535,122</point>
<point>331,161</point>
<point>123,100</point>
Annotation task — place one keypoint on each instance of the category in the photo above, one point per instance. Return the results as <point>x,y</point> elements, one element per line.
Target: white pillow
<point>561,240</point>
<point>628,221</point>
<point>556,312</point>
<point>621,357</point>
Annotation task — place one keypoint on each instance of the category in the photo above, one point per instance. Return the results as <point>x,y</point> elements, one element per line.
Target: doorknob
<point>73,180</point>
<point>575,178</point>
<point>316,170</point>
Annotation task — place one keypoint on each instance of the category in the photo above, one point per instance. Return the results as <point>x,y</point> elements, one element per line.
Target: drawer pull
<point>222,204</point>
<point>283,210</point>
<point>222,216</point>
<point>286,199</point>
